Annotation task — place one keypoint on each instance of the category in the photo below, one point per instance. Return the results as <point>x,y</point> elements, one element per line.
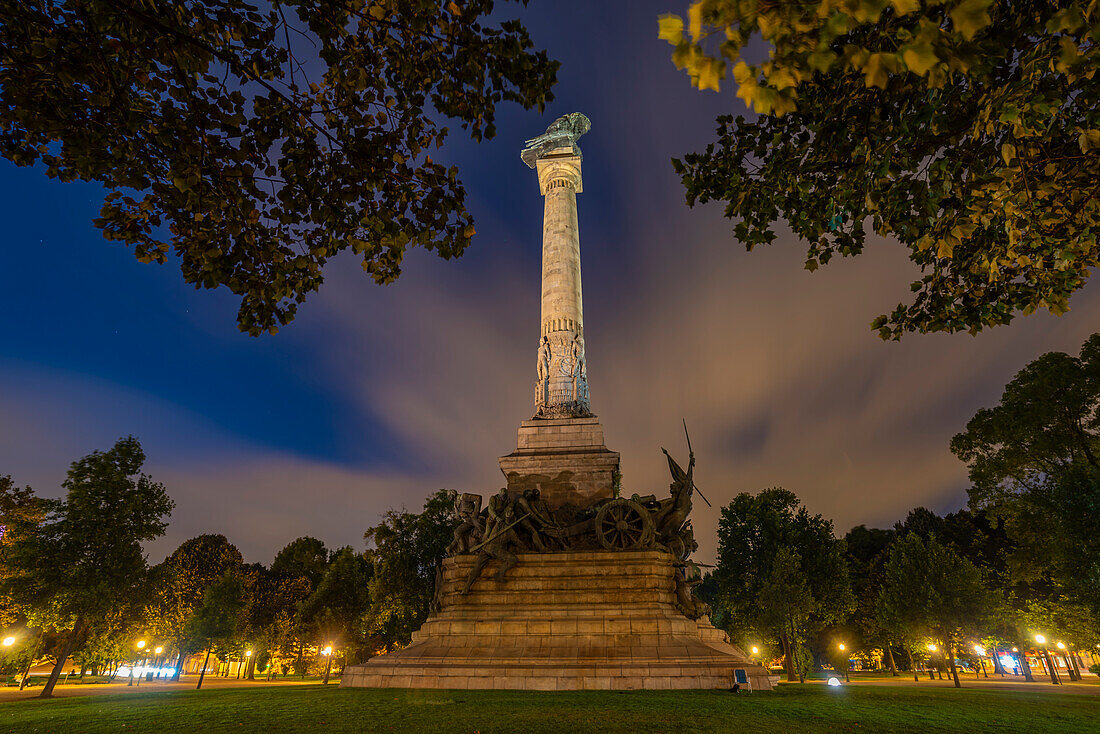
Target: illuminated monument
<point>562,582</point>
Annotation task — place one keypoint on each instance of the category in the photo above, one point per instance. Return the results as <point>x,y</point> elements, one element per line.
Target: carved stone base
<point>564,621</point>
<point>565,458</point>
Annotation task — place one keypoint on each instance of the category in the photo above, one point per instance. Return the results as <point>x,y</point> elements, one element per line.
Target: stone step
<point>558,610</point>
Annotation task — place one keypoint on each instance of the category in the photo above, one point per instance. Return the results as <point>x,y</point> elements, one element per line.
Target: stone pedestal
<point>566,459</point>
<point>564,621</point>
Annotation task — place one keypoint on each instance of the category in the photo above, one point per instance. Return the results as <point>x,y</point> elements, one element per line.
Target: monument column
<point>561,450</point>
<point>564,390</point>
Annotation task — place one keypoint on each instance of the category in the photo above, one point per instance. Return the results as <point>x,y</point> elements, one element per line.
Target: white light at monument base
<point>834,682</point>
<point>9,641</point>
<point>1040,639</point>
<point>1007,661</point>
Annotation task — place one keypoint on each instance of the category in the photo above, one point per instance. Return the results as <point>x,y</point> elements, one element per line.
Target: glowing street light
<point>979,649</point>
<point>9,641</point>
<point>1061,646</point>
<point>248,653</point>
<point>755,650</point>
<point>141,644</point>
<point>327,652</point>
<point>931,647</point>
<point>841,646</point>
<point>158,650</point>
<point>1040,639</point>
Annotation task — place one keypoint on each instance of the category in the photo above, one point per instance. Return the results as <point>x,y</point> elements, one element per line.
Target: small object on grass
<point>736,688</point>
<point>834,682</point>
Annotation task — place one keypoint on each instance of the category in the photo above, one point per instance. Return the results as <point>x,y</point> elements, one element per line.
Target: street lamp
<point>847,664</point>
<point>327,652</point>
<point>981,659</point>
<point>140,646</point>
<point>9,641</point>
<point>1046,659</point>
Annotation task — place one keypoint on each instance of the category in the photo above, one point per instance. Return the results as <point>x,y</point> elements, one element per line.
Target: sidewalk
<point>1090,686</point>
<point>186,683</point>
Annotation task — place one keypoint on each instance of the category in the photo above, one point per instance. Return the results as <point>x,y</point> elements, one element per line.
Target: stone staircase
<point>564,621</point>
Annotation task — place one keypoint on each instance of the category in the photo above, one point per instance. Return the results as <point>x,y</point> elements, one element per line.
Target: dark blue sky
<point>374,396</point>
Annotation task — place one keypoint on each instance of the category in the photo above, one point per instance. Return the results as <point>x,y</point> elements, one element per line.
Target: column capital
<point>565,166</point>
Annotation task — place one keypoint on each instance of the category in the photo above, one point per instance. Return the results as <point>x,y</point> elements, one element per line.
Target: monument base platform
<point>565,459</point>
<point>600,620</point>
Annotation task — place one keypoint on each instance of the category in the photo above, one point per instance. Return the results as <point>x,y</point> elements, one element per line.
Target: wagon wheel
<point>622,524</point>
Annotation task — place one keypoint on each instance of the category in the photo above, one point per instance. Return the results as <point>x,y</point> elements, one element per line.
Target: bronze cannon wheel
<point>623,524</point>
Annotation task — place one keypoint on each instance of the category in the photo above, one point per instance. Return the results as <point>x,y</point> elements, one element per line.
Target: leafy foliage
<point>929,589</point>
<point>335,609</point>
<point>254,143</point>
<point>968,130</point>
<point>408,549</point>
<point>86,552</point>
<point>782,566</point>
<point>1033,464</point>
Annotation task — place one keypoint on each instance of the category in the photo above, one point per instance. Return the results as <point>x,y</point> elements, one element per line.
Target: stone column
<point>562,389</point>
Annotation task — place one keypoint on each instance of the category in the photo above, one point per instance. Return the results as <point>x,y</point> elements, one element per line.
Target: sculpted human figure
<point>534,517</point>
<point>674,512</point>
<point>580,373</point>
<point>543,370</point>
<point>501,540</point>
<point>470,530</point>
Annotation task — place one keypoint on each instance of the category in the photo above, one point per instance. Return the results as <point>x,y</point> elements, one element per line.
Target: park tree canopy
<point>781,565</point>
<point>86,553</point>
<point>968,130</point>
<point>255,142</point>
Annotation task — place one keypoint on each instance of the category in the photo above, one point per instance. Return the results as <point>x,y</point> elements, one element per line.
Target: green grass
<point>791,708</point>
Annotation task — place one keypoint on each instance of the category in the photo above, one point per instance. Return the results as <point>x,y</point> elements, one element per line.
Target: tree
<point>781,566</point>
<point>86,553</point>
<point>215,620</point>
<point>408,549</point>
<point>968,130</point>
<point>928,588</point>
<point>304,557</point>
<point>254,144</point>
<point>866,550</point>
<point>1033,465</point>
<point>180,582</point>
<point>335,609</point>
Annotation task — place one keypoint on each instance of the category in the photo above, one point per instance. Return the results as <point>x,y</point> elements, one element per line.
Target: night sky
<point>376,396</point>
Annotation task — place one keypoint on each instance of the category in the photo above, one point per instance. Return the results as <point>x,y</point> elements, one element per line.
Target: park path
<point>1090,686</point>
<point>187,683</point>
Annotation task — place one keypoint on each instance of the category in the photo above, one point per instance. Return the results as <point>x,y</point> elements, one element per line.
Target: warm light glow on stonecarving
<point>1040,639</point>
<point>9,641</point>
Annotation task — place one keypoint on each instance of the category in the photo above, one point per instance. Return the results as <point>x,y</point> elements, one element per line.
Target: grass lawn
<point>791,708</point>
